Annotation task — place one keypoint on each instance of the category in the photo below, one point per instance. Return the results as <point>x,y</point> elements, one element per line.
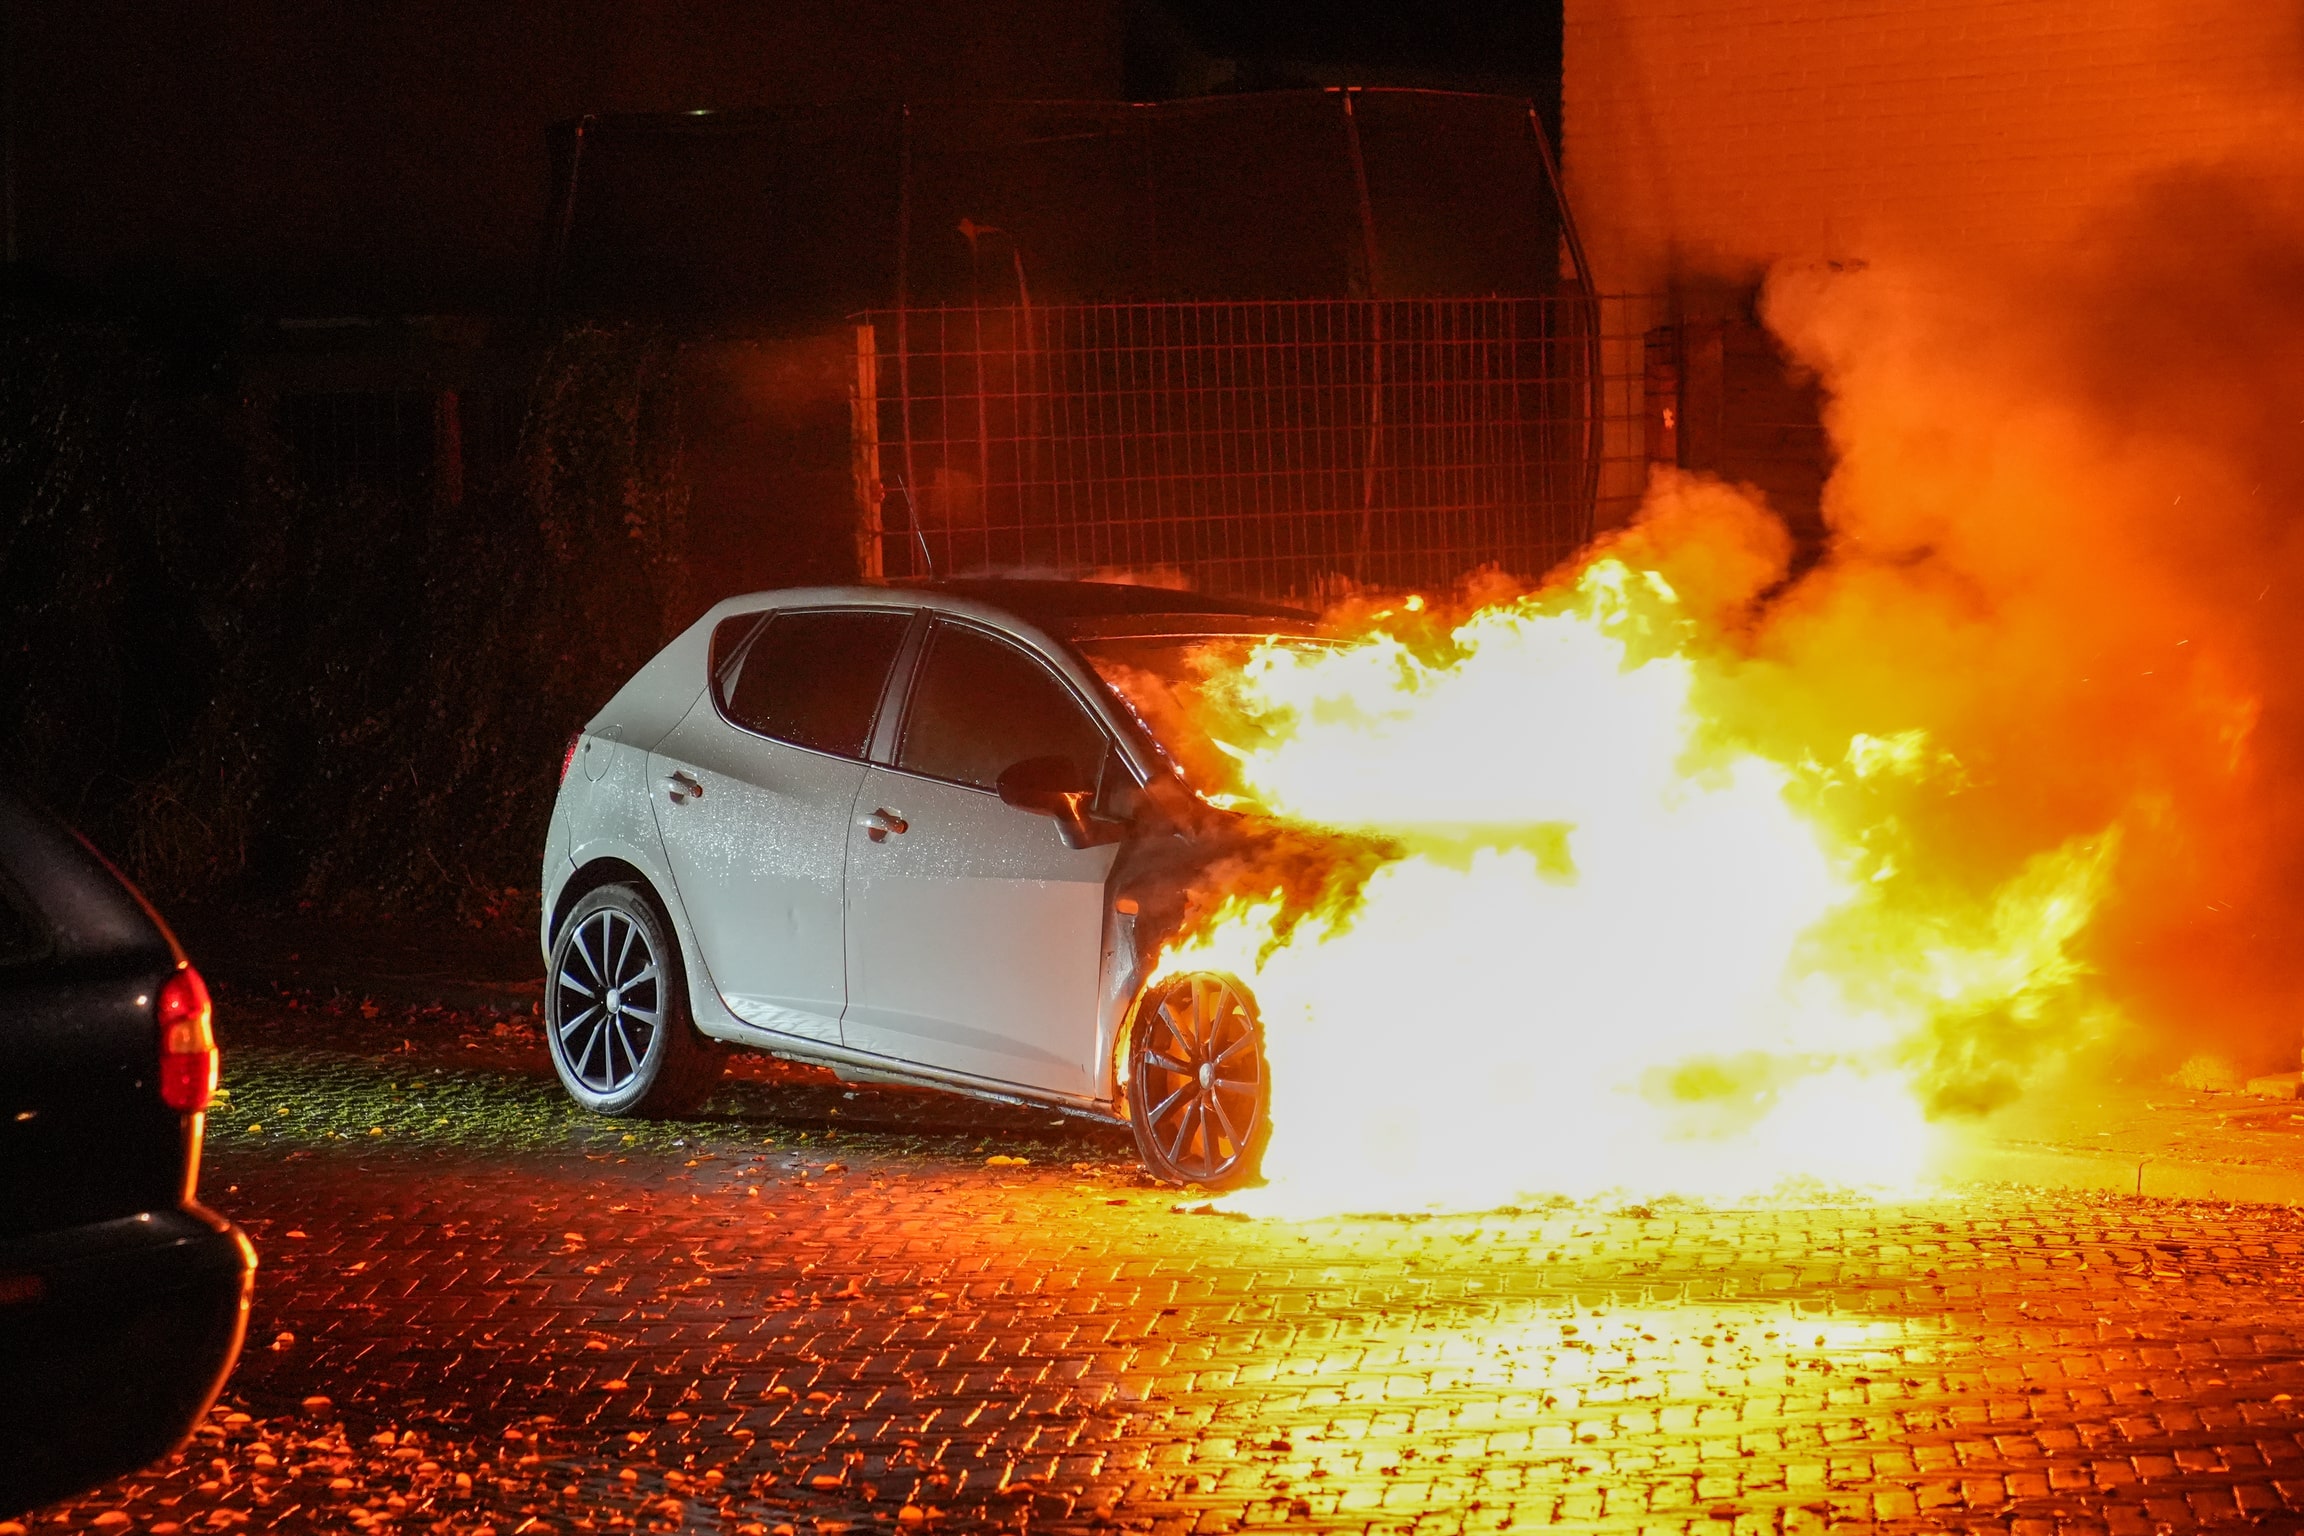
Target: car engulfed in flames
<point>1562,893</point>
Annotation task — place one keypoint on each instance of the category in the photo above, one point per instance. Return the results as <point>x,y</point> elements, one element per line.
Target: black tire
<point>1199,1098</point>
<point>616,1011</point>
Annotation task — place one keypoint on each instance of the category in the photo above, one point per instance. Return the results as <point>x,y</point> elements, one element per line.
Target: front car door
<point>974,935</point>
<point>753,792</point>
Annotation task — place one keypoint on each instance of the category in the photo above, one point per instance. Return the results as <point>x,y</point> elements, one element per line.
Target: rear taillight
<point>568,757</point>
<point>188,1061</point>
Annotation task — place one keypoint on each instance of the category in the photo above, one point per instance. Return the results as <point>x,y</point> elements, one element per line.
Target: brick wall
<point>1705,137</point>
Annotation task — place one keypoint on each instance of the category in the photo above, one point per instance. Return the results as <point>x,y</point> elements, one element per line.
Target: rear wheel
<point>616,1011</point>
<point>1198,1098</point>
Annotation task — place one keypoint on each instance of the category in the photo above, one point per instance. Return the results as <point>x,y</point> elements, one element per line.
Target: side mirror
<point>1051,786</point>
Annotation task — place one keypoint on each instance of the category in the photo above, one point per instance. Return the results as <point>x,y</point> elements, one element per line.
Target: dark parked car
<point>122,1301</point>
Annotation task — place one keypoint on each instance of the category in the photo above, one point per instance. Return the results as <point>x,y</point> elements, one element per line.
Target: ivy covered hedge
<point>249,692</point>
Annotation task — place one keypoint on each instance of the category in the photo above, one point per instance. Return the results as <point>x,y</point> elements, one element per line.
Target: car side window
<point>814,678</point>
<point>982,705</point>
<point>728,638</point>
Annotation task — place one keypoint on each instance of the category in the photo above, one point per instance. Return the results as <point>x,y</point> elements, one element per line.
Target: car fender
<point>704,1006</point>
<point>593,817</point>
<point>558,869</point>
<point>1123,979</point>
<point>609,818</point>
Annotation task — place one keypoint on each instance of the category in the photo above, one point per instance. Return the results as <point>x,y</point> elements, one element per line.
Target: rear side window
<point>815,678</point>
<point>728,637</point>
<point>981,706</point>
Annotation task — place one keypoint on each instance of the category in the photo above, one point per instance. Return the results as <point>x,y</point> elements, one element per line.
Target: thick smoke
<point>2064,539</point>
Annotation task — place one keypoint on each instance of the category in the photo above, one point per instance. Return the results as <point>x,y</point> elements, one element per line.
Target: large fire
<point>1631,934</point>
<point>1693,872</point>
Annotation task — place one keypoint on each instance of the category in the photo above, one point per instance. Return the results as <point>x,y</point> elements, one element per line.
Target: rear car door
<point>753,792</point>
<point>974,934</point>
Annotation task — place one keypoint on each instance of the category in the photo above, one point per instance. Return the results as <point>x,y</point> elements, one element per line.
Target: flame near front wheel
<point>1648,929</point>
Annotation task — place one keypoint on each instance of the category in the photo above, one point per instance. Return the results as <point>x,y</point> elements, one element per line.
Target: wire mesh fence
<point>1282,448</point>
<point>1638,404</point>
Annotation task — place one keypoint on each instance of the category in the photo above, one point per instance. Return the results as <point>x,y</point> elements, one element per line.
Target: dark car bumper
<point>114,1339</point>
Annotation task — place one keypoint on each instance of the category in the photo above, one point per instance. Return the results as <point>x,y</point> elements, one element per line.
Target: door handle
<point>878,824</point>
<point>684,786</point>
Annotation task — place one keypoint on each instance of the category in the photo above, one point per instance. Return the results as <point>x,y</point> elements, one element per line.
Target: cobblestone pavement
<point>823,1309</point>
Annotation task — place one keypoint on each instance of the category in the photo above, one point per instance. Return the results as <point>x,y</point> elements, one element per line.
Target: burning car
<point>932,835</point>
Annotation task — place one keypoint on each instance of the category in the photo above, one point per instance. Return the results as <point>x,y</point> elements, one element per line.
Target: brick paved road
<point>827,1310</point>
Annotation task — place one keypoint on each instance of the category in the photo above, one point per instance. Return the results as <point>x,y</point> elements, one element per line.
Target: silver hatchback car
<point>918,834</point>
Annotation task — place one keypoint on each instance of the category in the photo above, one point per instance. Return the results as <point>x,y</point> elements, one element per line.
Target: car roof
<point>1063,613</point>
<point>1063,606</point>
<point>1066,610</point>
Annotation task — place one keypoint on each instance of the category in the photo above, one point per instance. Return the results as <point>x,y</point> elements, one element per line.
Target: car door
<point>974,934</point>
<point>753,792</point>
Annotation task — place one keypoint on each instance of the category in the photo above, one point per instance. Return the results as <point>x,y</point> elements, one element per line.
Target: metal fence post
<point>864,451</point>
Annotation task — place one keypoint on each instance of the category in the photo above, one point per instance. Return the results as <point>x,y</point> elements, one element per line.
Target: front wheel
<point>1198,1099</point>
<point>616,1011</point>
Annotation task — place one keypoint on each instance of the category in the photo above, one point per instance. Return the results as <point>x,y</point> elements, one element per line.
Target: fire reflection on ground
<point>894,1323</point>
<point>1668,1355</point>
<point>994,1349</point>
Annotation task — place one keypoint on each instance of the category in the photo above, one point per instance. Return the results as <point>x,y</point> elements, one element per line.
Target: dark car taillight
<point>569,756</point>
<point>188,1057</point>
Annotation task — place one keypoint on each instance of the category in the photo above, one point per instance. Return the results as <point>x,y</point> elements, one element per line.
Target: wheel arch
<point>683,1060</point>
<point>1124,1037</point>
<point>1132,1014</point>
<point>608,870</point>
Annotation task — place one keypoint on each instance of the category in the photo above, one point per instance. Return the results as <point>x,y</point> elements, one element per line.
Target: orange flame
<point>1623,945</point>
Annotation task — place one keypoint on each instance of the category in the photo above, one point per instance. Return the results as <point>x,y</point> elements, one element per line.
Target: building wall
<point>341,159</point>
<point>1706,137</point>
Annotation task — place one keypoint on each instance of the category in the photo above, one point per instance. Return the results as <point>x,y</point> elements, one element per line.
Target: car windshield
<point>1166,680</point>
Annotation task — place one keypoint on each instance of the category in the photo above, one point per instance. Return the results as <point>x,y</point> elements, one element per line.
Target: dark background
<point>324,521</point>
<point>300,160</point>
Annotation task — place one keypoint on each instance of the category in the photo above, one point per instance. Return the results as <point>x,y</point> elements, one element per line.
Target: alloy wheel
<point>611,1002</point>
<point>1197,1081</point>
